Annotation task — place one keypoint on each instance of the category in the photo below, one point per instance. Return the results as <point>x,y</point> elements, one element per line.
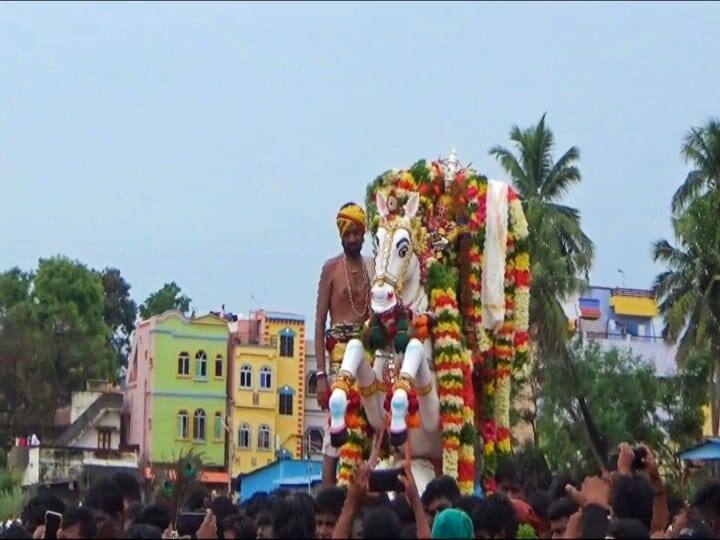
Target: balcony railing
<point>617,336</point>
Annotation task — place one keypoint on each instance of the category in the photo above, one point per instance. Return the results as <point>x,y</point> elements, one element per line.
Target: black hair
<point>241,526</point>
<point>409,531</point>
<point>293,517</point>
<point>557,486</point>
<point>707,497</point>
<point>403,510</point>
<point>83,517</point>
<point>128,485</point>
<point>468,504</point>
<point>563,507</point>
<point>258,502</point>
<point>195,501</point>
<point>696,529</point>
<point>381,522</point>
<point>142,530</point>
<point>496,516</point>
<point>330,500</point>
<point>632,497</point>
<point>442,486</point>
<point>223,508</point>
<point>264,519</point>
<point>154,515</point>
<point>627,528</point>
<point>540,502</point>
<point>15,531</point>
<point>348,204</point>
<point>33,513</point>
<point>134,510</point>
<point>105,497</point>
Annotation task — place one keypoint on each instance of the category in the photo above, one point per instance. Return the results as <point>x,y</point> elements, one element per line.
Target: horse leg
<point>428,400</point>
<point>352,360</point>
<point>414,357</point>
<point>371,395</point>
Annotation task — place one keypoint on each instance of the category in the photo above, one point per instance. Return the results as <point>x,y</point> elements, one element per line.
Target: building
<point>316,420</point>
<point>176,392</point>
<point>291,474</point>
<point>89,447</point>
<point>623,318</point>
<point>266,389</point>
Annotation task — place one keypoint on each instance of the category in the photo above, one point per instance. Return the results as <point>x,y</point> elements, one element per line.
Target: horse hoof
<point>338,438</point>
<point>398,438</point>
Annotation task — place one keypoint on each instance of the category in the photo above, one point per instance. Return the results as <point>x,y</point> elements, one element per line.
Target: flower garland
<point>357,447</point>
<point>518,222</point>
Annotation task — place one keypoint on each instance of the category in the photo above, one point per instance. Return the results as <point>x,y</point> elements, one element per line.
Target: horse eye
<point>403,251</point>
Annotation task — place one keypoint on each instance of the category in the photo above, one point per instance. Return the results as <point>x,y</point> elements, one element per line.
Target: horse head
<point>396,261</point>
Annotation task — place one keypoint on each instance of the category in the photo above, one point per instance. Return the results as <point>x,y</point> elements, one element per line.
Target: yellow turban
<point>349,215</point>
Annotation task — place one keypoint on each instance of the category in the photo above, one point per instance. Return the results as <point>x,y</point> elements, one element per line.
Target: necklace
<point>366,282</point>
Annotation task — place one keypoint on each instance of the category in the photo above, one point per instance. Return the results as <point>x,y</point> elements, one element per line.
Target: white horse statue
<point>396,287</point>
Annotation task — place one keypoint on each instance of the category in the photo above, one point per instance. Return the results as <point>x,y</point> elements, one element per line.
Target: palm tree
<point>701,148</point>
<point>689,290</point>
<point>561,254</point>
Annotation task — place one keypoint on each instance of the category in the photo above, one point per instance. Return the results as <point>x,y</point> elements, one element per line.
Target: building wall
<point>173,392</point>
<point>138,390</point>
<point>315,419</point>
<point>89,439</point>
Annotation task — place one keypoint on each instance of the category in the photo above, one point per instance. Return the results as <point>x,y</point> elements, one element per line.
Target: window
<point>312,384</point>
<point>183,364</point>
<point>287,343</point>
<point>199,425</point>
<point>315,440</point>
<point>104,439</point>
<point>218,427</point>
<point>265,378</point>
<point>182,425</point>
<point>246,376</point>
<point>286,404</point>
<point>244,436</point>
<point>264,437</point>
<point>219,366</point>
<point>201,365</point>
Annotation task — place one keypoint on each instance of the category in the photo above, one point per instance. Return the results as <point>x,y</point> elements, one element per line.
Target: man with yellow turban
<point>344,294</point>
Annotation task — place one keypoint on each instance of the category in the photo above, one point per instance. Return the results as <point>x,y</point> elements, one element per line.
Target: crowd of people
<point>629,501</point>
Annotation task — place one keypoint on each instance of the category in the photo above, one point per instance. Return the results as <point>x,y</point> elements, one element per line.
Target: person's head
<point>239,527</point>
<point>506,478</point>
<point>222,507</point>
<point>78,523</point>
<point>468,503</point>
<point>33,513</point>
<point>632,498</point>
<point>142,530</point>
<point>381,522</point>
<point>264,525</point>
<point>403,510</point>
<point>15,531</point>
<point>452,523</point>
<point>558,515</point>
<point>195,501</point>
<point>440,494</point>
<point>706,504</point>
<point>351,226</point>
<point>627,528</point>
<point>257,503</point>
<point>105,497</point>
<point>129,488</point>
<point>495,517</point>
<point>557,486</point>
<point>154,515</point>
<point>293,517</point>
<point>328,505</point>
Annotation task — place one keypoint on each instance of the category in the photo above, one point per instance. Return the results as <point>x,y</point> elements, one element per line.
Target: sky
<point>212,144</point>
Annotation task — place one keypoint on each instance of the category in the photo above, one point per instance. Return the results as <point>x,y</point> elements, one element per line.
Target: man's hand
<point>208,529</point>
<point>573,528</point>
<point>625,459</point>
<point>323,392</point>
<point>358,488</point>
<point>39,532</point>
<point>596,490</point>
<point>651,466</point>
<point>408,481</point>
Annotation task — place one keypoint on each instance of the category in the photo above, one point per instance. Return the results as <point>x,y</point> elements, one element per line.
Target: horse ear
<point>381,203</point>
<point>412,205</point>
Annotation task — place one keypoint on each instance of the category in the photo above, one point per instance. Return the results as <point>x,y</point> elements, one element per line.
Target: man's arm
<point>321,312</point>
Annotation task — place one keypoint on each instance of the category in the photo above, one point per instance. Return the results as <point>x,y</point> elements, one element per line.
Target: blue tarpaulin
<point>709,450</point>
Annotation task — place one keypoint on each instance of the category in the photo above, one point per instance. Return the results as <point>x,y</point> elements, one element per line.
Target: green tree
<point>119,313</point>
<point>167,298</point>
<point>689,290</point>
<point>701,149</point>
<point>561,254</point>
<point>629,402</point>
<point>52,339</point>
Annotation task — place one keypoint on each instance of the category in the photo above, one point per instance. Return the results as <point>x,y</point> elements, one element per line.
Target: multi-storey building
<point>266,389</point>
<point>175,394</point>
<point>316,420</point>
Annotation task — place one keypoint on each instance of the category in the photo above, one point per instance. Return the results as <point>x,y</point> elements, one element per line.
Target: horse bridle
<point>383,276</point>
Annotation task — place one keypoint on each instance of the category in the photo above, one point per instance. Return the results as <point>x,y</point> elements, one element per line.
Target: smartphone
<point>385,480</point>
<point>189,523</point>
<point>53,522</point>
<point>638,463</point>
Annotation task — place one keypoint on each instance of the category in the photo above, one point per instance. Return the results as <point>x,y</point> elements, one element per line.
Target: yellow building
<point>266,389</point>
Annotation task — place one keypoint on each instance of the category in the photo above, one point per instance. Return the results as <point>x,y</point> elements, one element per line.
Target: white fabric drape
<point>493,272</point>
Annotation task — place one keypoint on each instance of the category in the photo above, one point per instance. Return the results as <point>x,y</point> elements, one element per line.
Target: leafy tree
<point>167,298</point>
<point>120,312</point>
<point>629,402</point>
<point>701,148</point>
<point>561,254</point>
<point>689,290</point>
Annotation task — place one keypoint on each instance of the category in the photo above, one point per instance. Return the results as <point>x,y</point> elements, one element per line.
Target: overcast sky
<point>212,144</point>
